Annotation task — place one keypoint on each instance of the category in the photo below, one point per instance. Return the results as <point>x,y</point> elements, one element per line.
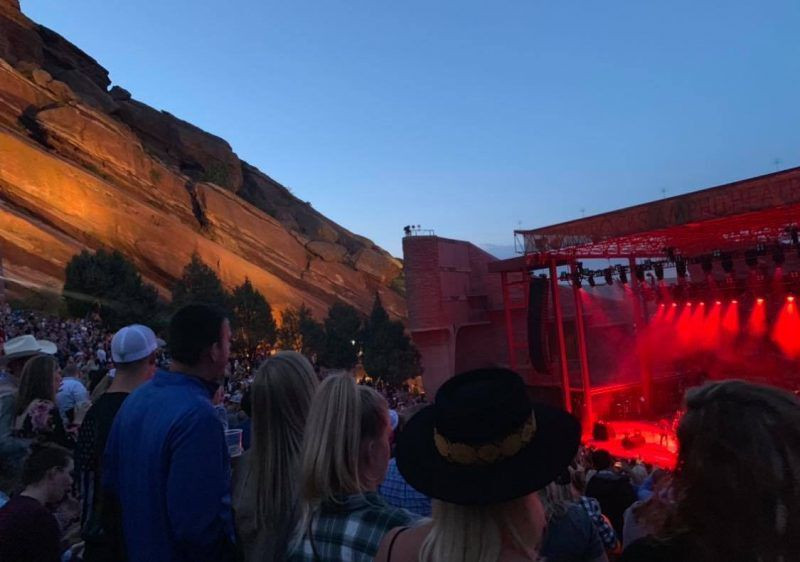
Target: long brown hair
<point>36,381</point>
<point>738,477</point>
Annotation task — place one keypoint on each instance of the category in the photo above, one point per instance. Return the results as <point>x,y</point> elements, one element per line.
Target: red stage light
<point>688,304</point>
<point>790,298</point>
<point>760,301</point>
<point>734,302</point>
<point>718,303</point>
<point>675,304</point>
<point>702,304</point>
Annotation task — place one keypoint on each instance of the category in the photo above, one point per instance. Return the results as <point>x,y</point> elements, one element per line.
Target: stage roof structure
<point>730,217</point>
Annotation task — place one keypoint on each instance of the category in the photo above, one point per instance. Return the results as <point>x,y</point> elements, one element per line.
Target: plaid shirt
<point>397,492</point>
<point>604,528</point>
<point>350,529</point>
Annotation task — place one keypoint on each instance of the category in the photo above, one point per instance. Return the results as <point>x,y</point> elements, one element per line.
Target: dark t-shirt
<point>28,532</point>
<point>572,538</point>
<point>615,494</point>
<point>91,444</point>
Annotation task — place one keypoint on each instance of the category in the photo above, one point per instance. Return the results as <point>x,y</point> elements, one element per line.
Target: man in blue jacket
<point>166,464</point>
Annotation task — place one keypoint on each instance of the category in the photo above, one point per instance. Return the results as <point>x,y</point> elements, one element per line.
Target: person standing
<point>345,456</point>
<point>28,530</point>
<point>71,393</point>
<point>16,353</point>
<point>133,350</point>
<point>166,465</point>
<point>265,494</point>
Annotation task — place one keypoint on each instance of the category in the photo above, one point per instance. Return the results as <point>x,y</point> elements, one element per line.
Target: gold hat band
<point>486,453</point>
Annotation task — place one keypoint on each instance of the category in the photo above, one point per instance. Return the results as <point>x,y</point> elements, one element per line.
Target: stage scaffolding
<point>761,212</point>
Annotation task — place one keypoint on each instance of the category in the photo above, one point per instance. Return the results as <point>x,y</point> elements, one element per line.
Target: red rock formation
<point>85,167</point>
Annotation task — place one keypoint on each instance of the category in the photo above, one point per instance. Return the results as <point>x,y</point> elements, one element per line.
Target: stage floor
<point>660,447</point>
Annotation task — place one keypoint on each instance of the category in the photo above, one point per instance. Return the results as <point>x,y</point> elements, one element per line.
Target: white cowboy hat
<point>24,346</point>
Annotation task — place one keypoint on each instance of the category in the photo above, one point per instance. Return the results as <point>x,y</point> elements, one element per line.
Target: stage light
<point>702,304</point>
<point>591,280</point>
<point>675,304</point>
<point>658,269</point>
<point>734,302</point>
<point>623,275</point>
<point>609,277</point>
<point>718,303</point>
<point>680,267</point>
<point>790,298</point>
<point>689,304</point>
<point>759,301</point>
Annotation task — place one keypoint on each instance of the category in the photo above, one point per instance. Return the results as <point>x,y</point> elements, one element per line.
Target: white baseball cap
<point>133,343</point>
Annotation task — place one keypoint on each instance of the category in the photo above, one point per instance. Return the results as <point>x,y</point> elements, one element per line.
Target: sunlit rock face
<point>85,166</point>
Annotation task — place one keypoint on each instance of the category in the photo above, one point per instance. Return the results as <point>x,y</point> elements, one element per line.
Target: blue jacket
<point>167,464</point>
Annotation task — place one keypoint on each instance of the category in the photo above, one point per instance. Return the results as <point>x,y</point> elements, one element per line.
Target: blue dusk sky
<point>471,118</point>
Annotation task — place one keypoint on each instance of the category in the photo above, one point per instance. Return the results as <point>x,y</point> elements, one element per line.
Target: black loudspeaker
<point>537,332</point>
<point>602,432</point>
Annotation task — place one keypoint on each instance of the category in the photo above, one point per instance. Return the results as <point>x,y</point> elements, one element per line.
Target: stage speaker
<point>600,431</point>
<point>538,346</point>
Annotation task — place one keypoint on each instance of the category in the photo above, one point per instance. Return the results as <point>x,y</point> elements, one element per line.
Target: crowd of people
<point>125,447</point>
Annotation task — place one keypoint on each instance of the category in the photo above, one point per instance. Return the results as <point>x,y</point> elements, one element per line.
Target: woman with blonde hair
<point>345,456</point>
<point>482,450</point>
<point>266,482</point>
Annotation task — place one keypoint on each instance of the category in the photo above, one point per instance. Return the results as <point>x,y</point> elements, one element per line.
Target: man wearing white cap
<point>133,350</point>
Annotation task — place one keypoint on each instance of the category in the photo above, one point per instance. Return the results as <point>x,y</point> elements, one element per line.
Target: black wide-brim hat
<point>483,441</point>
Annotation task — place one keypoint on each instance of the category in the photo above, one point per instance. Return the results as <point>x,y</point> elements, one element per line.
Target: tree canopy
<point>199,283</point>
<point>342,337</point>
<point>252,319</point>
<point>389,354</point>
<point>108,283</point>
<point>301,332</point>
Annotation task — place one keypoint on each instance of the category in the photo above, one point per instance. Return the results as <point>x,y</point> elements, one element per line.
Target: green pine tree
<point>389,354</point>
<point>199,284</point>
<point>252,320</point>
<point>342,337</point>
<point>108,283</point>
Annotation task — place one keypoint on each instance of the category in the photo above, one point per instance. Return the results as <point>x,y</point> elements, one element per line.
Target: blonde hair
<point>475,533</point>
<point>343,417</point>
<point>556,499</point>
<point>281,395</point>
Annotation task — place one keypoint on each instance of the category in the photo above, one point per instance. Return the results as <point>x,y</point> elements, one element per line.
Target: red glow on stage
<point>757,325</point>
<point>730,322</point>
<point>786,332</point>
<point>674,305</point>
